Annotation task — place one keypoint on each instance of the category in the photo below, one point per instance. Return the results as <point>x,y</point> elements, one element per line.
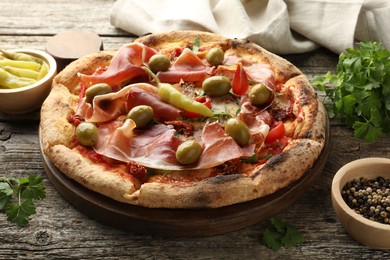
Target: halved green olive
<point>159,62</point>
<point>188,152</point>
<point>215,56</point>
<point>141,115</point>
<point>238,130</point>
<point>216,86</point>
<point>95,90</point>
<point>259,94</point>
<point>87,134</point>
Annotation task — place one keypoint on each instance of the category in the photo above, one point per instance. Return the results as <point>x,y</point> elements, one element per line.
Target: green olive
<point>188,152</point>
<point>87,134</point>
<point>159,62</point>
<point>238,130</point>
<point>141,115</point>
<point>216,86</point>
<point>259,94</point>
<point>215,56</point>
<point>95,90</point>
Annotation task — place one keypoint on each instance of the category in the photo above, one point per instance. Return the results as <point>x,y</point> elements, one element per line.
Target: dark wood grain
<point>59,231</point>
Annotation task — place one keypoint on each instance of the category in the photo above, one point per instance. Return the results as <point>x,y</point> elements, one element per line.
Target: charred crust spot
<point>202,199</point>
<point>275,161</point>
<point>306,96</point>
<point>306,134</point>
<point>149,40</point>
<point>287,73</point>
<point>221,179</point>
<point>235,43</point>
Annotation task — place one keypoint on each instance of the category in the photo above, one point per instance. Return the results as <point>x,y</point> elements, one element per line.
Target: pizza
<point>183,119</point>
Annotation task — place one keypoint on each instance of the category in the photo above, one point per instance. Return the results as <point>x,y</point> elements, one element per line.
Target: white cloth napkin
<point>281,26</point>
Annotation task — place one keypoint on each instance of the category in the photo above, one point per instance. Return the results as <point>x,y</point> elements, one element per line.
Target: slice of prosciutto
<point>126,64</point>
<point>187,67</point>
<point>110,106</point>
<point>257,120</point>
<point>261,73</point>
<point>156,146</point>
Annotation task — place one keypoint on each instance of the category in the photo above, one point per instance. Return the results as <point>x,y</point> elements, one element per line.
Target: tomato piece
<point>138,171</point>
<point>277,131</point>
<point>278,145</point>
<point>240,81</point>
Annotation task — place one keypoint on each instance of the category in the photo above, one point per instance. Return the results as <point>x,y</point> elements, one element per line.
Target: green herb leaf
<point>281,234</point>
<point>33,189</point>
<point>359,90</point>
<point>252,159</point>
<point>195,46</point>
<point>292,237</point>
<point>20,213</point>
<point>279,225</point>
<point>6,192</point>
<point>272,239</point>
<point>17,197</point>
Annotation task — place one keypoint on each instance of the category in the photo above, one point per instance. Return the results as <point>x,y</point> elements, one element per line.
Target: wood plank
<point>60,231</point>
<point>39,42</point>
<point>50,17</point>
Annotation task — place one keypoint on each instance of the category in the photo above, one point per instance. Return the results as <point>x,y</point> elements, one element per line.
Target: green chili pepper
<point>171,95</point>
<point>8,80</point>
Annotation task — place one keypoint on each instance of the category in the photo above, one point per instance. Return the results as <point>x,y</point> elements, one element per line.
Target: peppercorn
<point>369,198</point>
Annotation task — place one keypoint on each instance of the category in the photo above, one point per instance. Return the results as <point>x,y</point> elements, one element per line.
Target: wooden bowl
<point>28,98</point>
<point>363,230</point>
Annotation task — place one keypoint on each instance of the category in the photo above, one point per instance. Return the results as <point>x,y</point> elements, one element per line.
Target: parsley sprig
<point>360,90</point>
<point>17,197</point>
<point>281,234</point>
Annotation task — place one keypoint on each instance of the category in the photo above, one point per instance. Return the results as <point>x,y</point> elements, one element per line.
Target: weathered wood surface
<point>60,231</point>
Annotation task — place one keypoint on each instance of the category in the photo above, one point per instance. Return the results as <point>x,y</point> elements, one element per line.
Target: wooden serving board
<point>181,222</point>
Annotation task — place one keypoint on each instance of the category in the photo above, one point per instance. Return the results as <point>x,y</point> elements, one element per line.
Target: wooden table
<point>60,231</point>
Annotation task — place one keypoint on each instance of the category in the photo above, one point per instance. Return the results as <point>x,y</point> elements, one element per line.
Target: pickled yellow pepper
<point>173,96</point>
<point>8,80</point>
<point>20,69</point>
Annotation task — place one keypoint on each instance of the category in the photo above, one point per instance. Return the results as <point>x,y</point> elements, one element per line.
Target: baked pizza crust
<point>277,173</point>
<point>313,111</point>
<point>57,133</point>
<point>93,176</point>
<point>283,69</point>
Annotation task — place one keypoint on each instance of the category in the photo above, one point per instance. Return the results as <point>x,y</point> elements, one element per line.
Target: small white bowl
<point>363,230</point>
<point>28,98</point>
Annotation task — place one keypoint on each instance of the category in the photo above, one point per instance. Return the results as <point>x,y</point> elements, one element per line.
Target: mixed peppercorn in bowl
<point>361,200</point>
